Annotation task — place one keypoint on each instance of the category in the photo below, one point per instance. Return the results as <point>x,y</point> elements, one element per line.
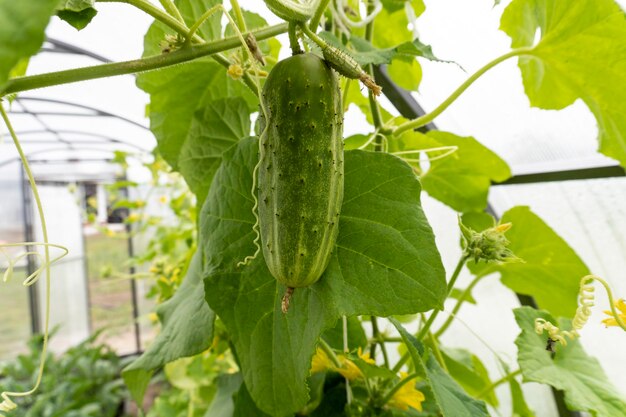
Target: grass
<point>111,299</point>
<point>15,322</point>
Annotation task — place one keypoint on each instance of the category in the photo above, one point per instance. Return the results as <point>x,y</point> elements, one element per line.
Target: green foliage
<point>555,71</point>
<point>551,269</point>
<point>468,370</point>
<point>571,370</point>
<point>255,360</point>
<point>361,279</point>
<point>451,399</point>
<point>77,13</point>
<point>197,84</point>
<point>22,25</point>
<point>187,330</point>
<point>214,128</point>
<point>459,175</point>
<point>82,382</point>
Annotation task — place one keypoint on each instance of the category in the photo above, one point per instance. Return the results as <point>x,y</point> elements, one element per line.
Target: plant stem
<point>435,348</point>
<point>329,352</point>
<point>171,8</point>
<point>427,118</point>
<point>425,329</point>
<point>464,296</point>
<point>499,382</point>
<point>293,40</point>
<point>396,387</point>
<point>609,294</point>
<point>31,82</point>
<point>241,22</point>
<point>453,278</point>
<point>317,17</point>
<point>378,339</point>
<point>158,14</point>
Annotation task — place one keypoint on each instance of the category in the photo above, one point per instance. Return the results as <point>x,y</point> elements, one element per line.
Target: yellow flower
<point>366,357</point>
<point>321,362</point>
<point>348,369</point>
<point>163,199</point>
<point>611,321</point>
<point>407,396</point>
<point>235,71</point>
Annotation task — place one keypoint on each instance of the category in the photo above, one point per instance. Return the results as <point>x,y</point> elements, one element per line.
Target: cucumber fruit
<point>301,170</point>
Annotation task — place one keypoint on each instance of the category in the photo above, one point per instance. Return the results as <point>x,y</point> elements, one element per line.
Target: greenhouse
<point>316,208</point>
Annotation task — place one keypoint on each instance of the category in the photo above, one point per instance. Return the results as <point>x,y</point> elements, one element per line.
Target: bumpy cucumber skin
<point>301,170</point>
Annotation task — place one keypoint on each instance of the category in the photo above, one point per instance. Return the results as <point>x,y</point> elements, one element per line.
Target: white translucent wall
<point>69,290</point>
<point>15,326</point>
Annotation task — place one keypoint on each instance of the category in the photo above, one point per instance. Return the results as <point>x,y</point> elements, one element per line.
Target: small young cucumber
<point>301,170</point>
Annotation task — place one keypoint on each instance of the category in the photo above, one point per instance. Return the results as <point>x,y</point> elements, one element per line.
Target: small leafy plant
<point>379,261</point>
<point>84,381</point>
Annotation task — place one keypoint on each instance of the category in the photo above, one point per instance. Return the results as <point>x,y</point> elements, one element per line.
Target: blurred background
<point>82,139</point>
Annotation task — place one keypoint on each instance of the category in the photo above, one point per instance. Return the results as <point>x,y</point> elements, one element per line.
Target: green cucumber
<point>301,170</point>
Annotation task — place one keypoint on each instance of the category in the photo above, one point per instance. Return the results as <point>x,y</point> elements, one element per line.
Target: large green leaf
<point>214,128</point>
<point>22,25</point>
<point>462,179</point>
<point>571,370</point>
<point>581,53</point>
<point>177,93</point>
<point>551,270</point>
<point>187,329</point>
<point>381,211</point>
<point>450,397</point>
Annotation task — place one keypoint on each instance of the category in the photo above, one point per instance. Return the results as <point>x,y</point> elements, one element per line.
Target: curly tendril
<point>586,300</point>
<point>7,403</point>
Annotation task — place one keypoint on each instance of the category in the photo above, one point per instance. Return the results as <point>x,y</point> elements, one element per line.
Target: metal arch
<point>104,138</point>
<point>96,112</point>
<point>59,46</point>
<point>49,150</point>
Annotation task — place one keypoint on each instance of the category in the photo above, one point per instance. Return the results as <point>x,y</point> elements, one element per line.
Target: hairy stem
<point>317,17</point>
<point>171,8</point>
<point>427,118</point>
<point>293,40</point>
<point>462,298</point>
<point>329,352</point>
<point>497,383</point>
<point>426,328</point>
<point>31,82</point>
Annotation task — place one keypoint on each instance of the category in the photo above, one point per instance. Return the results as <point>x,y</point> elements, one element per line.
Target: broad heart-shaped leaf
<point>450,397</point>
<point>461,179</point>
<point>385,263</point>
<point>177,93</point>
<point>580,376</point>
<point>551,270</point>
<point>581,54</point>
<point>187,329</point>
<point>214,128</point>
<point>22,25</point>
<point>77,13</point>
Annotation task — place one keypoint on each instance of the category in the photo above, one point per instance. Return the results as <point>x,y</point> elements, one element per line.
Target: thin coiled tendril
<point>586,300</point>
<point>7,403</point>
<point>257,83</point>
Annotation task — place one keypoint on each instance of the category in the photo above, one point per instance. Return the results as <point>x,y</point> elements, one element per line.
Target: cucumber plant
<point>296,205</point>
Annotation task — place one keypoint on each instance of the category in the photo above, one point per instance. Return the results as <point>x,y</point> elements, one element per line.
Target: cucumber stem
<point>286,299</point>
